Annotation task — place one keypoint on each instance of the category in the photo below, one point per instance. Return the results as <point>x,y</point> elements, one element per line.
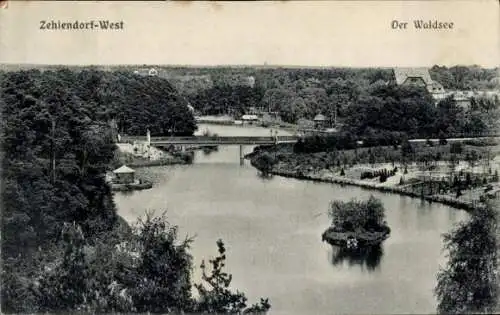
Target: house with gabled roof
<point>418,77</point>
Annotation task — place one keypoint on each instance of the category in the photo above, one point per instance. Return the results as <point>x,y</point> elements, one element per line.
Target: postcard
<point>270,157</point>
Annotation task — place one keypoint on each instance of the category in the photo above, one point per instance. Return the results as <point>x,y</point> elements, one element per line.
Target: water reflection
<point>209,150</point>
<point>368,257</point>
<point>217,198</point>
<point>265,176</point>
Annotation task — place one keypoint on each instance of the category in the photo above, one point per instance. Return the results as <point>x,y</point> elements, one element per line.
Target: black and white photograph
<point>257,157</point>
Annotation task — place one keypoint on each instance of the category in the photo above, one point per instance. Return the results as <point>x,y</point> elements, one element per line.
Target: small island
<point>356,224</point>
<point>124,180</point>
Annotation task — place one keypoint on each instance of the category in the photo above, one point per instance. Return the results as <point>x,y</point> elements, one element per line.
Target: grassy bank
<point>448,174</point>
<point>461,204</point>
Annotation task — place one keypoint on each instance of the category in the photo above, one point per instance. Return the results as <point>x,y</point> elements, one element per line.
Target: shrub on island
<point>357,223</point>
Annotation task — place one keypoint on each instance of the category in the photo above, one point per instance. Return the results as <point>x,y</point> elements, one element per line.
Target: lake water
<point>272,230</point>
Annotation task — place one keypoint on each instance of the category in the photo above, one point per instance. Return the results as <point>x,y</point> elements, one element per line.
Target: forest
<point>302,92</point>
<point>64,248</point>
<point>362,99</point>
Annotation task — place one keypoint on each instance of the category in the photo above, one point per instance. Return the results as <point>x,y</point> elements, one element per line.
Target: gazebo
<point>124,175</point>
<point>320,121</point>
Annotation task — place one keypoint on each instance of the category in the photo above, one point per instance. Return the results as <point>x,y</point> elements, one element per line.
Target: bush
<point>354,214</point>
<point>456,148</point>
<point>382,174</point>
<point>383,177</point>
<point>442,138</point>
<point>481,142</point>
<point>264,162</point>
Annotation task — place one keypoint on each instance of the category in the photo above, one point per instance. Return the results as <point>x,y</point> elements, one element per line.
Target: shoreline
<point>152,163</point>
<point>452,202</point>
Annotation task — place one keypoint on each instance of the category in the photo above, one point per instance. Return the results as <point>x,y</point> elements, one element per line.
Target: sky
<point>298,33</point>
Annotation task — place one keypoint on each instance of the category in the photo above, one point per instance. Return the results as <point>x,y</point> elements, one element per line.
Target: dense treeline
<point>137,103</point>
<point>140,103</point>
<point>294,93</point>
<point>412,111</point>
<point>389,115</point>
<point>56,148</point>
<point>465,78</point>
<point>64,248</point>
<point>227,99</point>
<point>365,100</point>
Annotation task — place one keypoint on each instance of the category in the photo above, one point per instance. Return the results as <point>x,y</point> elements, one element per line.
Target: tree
<point>218,298</point>
<point>393,108</point>
<point>264,162</point>
<point>281,100</point>
<point>472,157</point>
<point>407,150</point>
<point>371,159</point>
<point>468,180</point>
<point>456,148</point>
<point>447,116</point>
<point>163,282</point>
<point>64,287</point>
<point>468,283</point>
<point>442,138</point>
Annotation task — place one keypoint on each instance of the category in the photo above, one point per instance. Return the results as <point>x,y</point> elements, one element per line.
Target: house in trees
<point>419,77</point>
<point>153,72</point>
<point>249,118</point>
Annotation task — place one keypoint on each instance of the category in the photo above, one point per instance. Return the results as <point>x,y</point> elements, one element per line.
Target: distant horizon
<point>2,64</point>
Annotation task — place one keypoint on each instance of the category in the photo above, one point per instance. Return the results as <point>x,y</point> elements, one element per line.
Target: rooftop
<point>123,169</point>
<point>319,117</point>
<point>401,74</point>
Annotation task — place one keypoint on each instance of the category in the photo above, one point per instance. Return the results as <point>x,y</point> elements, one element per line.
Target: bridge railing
<point>221,139</point>
<point>264,139</point>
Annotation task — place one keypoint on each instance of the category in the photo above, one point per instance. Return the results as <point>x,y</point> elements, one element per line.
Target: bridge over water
<point>212,141</point>
<point>257,140</point>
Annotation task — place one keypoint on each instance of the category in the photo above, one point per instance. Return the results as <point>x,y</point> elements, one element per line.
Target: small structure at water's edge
<point>124,180</point>
<point>357,224</point>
